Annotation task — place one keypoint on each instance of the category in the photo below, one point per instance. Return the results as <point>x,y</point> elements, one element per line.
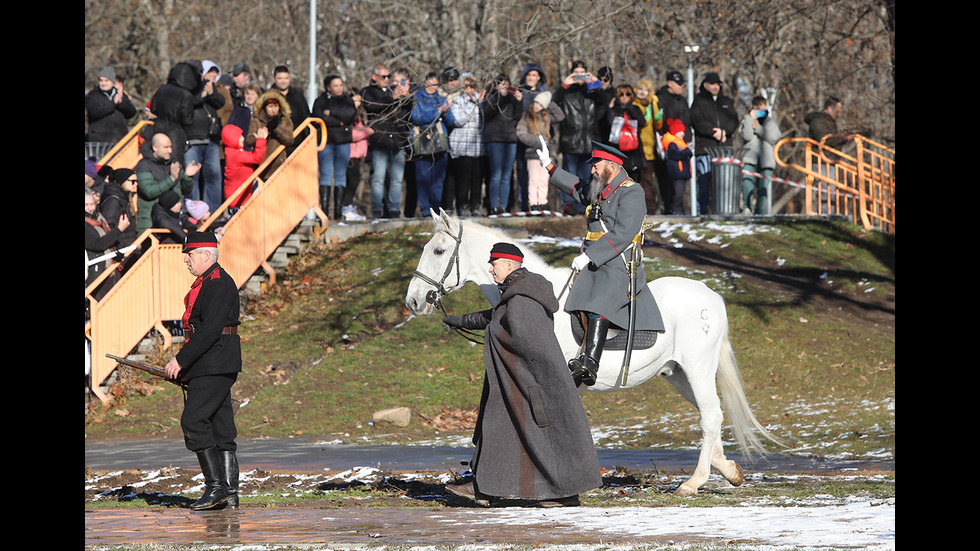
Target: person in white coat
<point>759,134</point>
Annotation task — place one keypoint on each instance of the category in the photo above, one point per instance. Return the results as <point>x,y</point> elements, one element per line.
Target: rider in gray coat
<point>600,293</point>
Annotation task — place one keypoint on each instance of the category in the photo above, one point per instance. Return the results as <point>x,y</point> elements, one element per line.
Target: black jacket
<point>107,119</point>
<point>173,104</point>
<point>115,201</point>
<point>708,112</point>
<point>215,305</point>
<point>177,223</point>
<point>500,117</point>
<point>581,109</point>
<point>340,121</point>
<point>388,116</point>
<point>675,107</point>
<point>206,124</point>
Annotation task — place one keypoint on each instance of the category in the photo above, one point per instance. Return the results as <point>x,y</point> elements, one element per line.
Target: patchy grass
<point>332,342</point>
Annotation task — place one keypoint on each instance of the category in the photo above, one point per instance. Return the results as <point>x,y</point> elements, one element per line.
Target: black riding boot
<point>338,199</point>
<point>585,367</point>
<point>229,462</point>
<point>325,200</point>
<point>215,487</point>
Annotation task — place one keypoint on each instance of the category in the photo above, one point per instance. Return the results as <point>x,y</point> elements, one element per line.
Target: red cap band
<point>606,156</point>
<point>514,257</point>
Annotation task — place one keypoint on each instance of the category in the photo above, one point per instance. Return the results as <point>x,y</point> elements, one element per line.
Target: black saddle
<point>616,339</point>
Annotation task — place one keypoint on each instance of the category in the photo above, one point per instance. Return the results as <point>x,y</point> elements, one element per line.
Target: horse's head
<point>442,267</point>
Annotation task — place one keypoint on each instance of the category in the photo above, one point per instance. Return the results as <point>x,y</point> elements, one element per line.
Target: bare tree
<point>794,50</point>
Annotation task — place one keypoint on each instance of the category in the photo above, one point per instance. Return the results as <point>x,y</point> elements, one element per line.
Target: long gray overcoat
<point>532,437</point>
<point>603,287</point>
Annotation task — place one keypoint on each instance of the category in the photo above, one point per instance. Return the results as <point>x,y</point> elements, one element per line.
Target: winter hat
<point>239,68</point>
<point>674,126</point>
<point>120,175</point>
<point>506,250</point>
<point>544,98</point>
<point>91,169</point>
<point>168,199</point>
<point>197,209</point>
<point>109,73</point>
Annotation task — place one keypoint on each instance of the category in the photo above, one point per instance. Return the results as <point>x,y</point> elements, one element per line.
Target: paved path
<point>303,454</point>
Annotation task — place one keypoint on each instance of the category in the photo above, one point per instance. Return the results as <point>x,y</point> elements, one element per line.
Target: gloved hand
<point>544,156</point>
<point>273,123</point>
<point>452,321</point>
<point>581,262</point>
<point>660,116</point>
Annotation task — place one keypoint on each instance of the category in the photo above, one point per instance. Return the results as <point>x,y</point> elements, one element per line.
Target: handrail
<point>126,152</point>
<point>152,289</point>
<point>861,186</point>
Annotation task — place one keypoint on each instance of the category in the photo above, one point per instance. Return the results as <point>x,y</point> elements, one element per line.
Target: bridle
<point>434,296</point>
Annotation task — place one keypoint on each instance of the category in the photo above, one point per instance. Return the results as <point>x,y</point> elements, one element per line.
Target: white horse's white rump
<point>691,354</point>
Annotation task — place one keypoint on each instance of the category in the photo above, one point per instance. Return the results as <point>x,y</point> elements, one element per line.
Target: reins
<point>435,295</point>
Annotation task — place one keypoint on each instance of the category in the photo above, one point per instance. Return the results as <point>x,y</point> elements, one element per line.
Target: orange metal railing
<point>126,153</point>
<point>859,185</point>
<point>152,288</point>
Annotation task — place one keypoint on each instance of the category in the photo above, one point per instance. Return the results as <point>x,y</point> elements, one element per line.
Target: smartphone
<point>511,90</point>
<point>582,76</point>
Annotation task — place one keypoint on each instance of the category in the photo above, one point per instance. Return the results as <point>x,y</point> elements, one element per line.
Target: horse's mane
<point>497,235</point>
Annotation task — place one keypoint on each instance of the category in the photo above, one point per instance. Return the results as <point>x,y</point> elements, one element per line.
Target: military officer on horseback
<point>599,297</point>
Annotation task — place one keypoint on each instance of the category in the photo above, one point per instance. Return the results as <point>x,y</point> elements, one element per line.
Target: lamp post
<point>691,50</point>
<point>311,87</point>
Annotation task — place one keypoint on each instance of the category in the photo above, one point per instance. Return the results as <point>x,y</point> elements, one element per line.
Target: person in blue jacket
<point>431,111</point>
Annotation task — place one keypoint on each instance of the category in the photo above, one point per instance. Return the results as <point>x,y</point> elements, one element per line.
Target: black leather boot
<point>338,198</point>
<point>325,200</point>
<point>585,367</point>
<point>229,462</point>
<point>215,487</point>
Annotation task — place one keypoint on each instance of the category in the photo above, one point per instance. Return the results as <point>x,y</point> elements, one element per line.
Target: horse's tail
<point>744,424</point>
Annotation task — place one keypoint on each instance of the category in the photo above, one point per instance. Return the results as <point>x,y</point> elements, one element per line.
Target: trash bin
<point>726,179</point>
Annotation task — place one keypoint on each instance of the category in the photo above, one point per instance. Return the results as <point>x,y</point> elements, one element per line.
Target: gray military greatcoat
<point>532,436</point>
<point>602,288</point>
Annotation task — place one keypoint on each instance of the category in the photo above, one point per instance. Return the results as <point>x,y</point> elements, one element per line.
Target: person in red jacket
<point>240,164</point>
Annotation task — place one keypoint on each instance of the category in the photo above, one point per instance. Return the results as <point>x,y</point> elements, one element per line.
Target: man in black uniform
<point>209,363</point>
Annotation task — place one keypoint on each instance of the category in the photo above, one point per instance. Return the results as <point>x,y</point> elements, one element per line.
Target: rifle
<point>158,372</point>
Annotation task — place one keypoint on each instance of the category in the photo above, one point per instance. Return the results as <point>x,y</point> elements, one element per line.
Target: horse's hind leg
<point>701,393</point>
<point>729,469</point>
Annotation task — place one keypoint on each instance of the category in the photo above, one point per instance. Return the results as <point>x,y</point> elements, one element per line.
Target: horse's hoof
<point>738,475</point>
<point>685,491</point>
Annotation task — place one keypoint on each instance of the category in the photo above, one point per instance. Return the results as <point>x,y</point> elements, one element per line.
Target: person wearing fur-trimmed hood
<point>271,111</point>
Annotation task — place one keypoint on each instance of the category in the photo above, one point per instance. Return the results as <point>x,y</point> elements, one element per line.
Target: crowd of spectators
<point>212,129</point>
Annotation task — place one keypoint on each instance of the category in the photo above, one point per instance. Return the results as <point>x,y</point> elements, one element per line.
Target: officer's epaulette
<point>628,183</point>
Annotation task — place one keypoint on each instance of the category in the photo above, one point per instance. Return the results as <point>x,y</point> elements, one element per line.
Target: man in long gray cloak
<point>532,437</point>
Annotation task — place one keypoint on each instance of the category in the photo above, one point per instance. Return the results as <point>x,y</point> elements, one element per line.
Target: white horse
<point>691,353</point>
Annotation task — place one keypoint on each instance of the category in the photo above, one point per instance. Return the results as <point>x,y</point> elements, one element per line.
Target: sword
<point>151,369</point>
<point>632,269</point>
